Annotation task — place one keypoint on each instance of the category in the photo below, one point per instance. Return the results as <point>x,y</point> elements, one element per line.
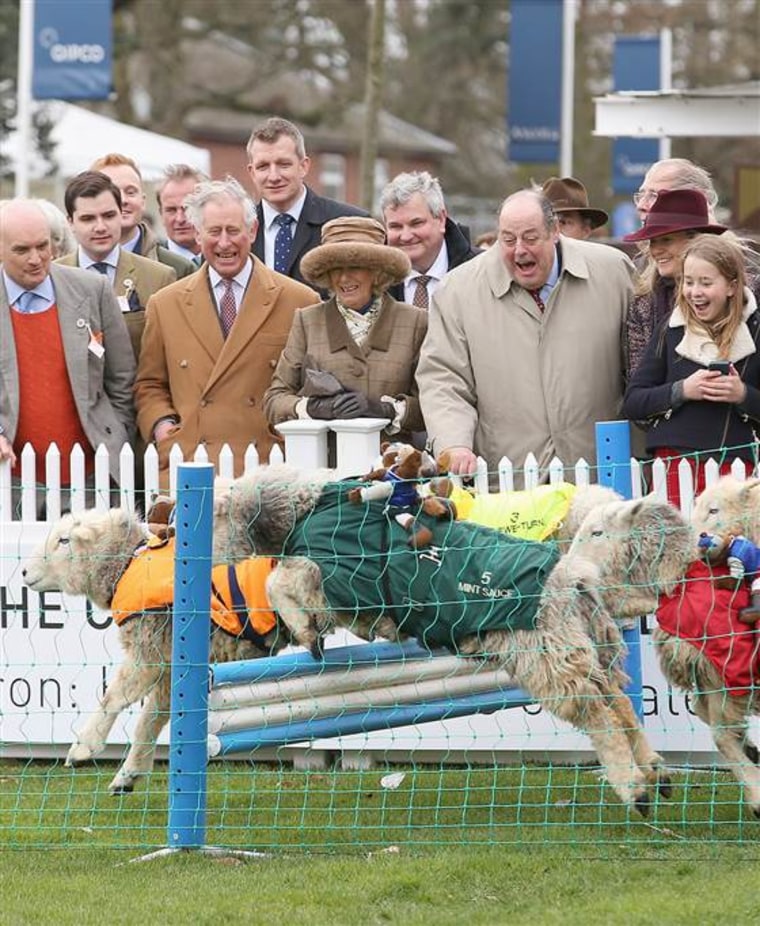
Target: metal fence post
<point>190,657</point>
<point>613,460</point>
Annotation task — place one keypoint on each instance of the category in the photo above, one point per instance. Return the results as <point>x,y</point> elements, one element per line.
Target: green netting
<point>514,778</point>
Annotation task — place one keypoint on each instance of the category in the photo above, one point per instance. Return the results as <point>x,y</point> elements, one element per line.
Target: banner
<point>72,50</point>
<point>534,87</point>
<point>636,67</point>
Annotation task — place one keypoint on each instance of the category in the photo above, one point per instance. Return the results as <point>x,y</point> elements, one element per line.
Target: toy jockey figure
<point>743,561</point>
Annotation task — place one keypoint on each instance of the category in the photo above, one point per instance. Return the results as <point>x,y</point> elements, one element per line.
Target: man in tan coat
<point>524,345</point>
<point>212,340</point>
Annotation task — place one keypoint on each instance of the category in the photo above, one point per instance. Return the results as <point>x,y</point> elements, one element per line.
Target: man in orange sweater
<point>66,363</point>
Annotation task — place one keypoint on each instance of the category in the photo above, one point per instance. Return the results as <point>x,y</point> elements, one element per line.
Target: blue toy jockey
<point>743,561</point>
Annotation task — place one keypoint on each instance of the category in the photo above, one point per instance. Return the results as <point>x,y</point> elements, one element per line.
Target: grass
<point>476,845</point>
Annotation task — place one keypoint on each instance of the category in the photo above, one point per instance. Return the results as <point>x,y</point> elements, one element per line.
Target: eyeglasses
<point>645,197</point>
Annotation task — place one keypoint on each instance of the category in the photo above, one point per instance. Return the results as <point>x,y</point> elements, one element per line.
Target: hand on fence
<point>321,407</point>
<point>461,461</point>
<point>6,450</point>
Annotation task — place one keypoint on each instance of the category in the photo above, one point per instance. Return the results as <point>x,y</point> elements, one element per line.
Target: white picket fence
<point>56,654</point>
<point>357,447</point>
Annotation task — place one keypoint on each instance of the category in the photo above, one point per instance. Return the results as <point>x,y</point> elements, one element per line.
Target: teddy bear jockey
<point>396,482</point>
<point>743,561</point>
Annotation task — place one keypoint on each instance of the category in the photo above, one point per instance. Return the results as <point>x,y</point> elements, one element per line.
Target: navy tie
<point>283,243</point>
<point>100,266</point>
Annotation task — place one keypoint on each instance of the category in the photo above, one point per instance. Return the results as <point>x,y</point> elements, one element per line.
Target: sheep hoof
<point>756,811</point>
<point>125,788</point>
<point>665,786</point>
<point>641,803</point>
<point>317,649</point>
<point>79,755</point>
<point>752,753</point>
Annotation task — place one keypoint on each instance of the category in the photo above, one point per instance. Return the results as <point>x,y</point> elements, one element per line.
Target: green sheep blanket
<point>467,581</point>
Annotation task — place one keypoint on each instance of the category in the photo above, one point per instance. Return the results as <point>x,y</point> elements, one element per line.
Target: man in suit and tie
<point>290,215</point>
<point>136,235</point>
<point>212,340</point>
<point>178,182</point>
<point>66,366</point>
<point>93,205</point>
<point>416,221</point>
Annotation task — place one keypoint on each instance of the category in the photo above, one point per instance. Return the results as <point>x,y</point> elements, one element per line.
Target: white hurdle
<point>354,689</point>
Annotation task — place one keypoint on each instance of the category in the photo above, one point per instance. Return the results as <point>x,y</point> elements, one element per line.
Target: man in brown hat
<point>569,200</point>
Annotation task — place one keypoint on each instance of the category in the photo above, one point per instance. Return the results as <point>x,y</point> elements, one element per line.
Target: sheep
<point>89,554</point>
<point>569,659</point>
<point>722,671</point>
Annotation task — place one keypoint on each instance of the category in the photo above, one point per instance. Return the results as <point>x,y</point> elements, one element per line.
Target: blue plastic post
<point>613,460</point>
<point>190,657</point>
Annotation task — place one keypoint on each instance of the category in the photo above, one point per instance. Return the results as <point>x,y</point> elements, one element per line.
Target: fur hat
<point>354,241</point>
<point>674,211</point>
<point>567,194</point>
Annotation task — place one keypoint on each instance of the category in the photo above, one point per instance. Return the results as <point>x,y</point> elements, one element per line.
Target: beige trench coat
<point>502,378</point>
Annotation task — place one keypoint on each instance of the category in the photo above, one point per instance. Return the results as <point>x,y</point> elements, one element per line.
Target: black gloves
<point>322,407</point>
<point>357,405</point>
<point>348,405</point>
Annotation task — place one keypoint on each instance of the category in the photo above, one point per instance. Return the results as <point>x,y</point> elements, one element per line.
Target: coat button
<point>183,363</point>
<point>204,403</point>
<point>250,401</point>
<point>357,368</point>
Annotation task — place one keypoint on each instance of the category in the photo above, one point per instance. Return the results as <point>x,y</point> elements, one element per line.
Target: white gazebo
<point>726,111</point>
<point>81,136</point>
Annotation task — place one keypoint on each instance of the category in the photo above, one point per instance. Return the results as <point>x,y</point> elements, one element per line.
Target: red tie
<point>536,294</point>
<point>228,308</point>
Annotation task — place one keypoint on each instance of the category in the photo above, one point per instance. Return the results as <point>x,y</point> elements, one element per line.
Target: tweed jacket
<point>102,386</point>
<point>213,386</point>
<point>308,234</point>
<point>383,365</point>
<point>147,277</point>
<point>502,378</point>
<point>153,249</point>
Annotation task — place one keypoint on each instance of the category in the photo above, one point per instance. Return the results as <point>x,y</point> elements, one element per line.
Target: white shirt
<point>85,261</point>
<point>182,251</point>
<point>438,270</point>
<point>239,285</point>
<point>271,227</point>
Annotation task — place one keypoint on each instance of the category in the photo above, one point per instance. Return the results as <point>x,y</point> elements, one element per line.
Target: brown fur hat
<point>354,241</point>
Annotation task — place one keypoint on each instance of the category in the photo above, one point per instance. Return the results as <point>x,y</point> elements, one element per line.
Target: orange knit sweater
<point>47,411</point>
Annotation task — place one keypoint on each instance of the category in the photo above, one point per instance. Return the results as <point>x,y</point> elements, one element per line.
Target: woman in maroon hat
<point>675,217</point>
<point>698,385</point>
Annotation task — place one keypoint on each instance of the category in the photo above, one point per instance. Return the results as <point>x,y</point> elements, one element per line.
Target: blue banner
<point>72,50</point>
<point>535,81</point>
<point>636,67</point>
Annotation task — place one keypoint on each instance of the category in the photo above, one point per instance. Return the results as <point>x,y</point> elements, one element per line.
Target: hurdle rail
<point>354,689</point>
<point>295,698</point>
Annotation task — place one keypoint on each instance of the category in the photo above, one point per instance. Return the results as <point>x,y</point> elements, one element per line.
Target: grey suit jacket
<point>102,386</point>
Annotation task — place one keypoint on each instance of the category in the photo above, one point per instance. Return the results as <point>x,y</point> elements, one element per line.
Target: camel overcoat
<point>213,386</point>
<point>502,378</point>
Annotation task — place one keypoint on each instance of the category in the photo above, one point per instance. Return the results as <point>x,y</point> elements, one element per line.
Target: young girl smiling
<point>695,412</point>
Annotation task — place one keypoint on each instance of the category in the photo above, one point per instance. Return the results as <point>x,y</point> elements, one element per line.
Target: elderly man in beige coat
<point>524,345</point>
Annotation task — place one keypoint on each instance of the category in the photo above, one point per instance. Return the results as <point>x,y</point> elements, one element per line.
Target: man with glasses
<point>674,174</point>
<point>524,350</point>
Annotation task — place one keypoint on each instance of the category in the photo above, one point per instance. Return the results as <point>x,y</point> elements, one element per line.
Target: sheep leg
<point>130,683</point>
<point>728,724</point>
<point>152,720</point>
<point>650,762</point>
<point>295,592</point>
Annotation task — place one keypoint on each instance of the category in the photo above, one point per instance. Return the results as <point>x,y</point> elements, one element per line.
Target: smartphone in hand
<point>720,366</point>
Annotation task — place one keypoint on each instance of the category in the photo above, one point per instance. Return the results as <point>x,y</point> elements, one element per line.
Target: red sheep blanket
<point>704,615</point>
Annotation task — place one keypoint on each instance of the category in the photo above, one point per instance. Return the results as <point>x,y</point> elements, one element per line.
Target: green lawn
<point>466,845</point>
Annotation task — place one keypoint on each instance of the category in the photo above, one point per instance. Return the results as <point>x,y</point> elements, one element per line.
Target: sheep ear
<point>748,488</point>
